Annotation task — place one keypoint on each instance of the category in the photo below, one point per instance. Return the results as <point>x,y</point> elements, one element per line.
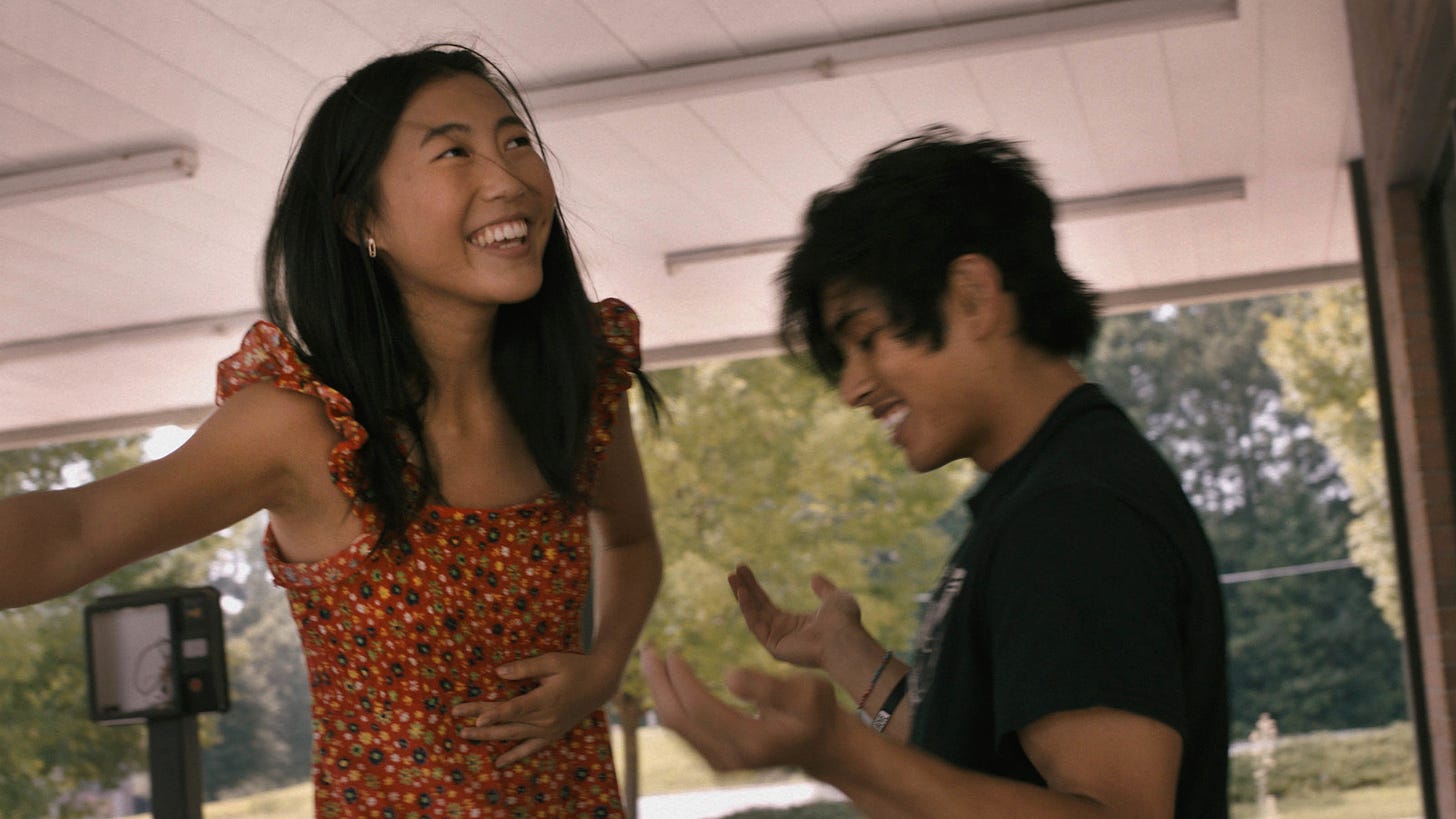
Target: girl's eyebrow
<point>442,130</point>
<point>460,127</point>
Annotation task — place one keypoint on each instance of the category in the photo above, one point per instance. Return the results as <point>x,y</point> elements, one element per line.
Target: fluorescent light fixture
<point>95,176</point>
<point>1121,203</point>
<point>1140,200</point>
<point>925,46</point>
<point>1114,302</point>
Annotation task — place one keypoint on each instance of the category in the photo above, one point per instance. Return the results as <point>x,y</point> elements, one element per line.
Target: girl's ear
<point>974,292</point>
<point>353,227</point>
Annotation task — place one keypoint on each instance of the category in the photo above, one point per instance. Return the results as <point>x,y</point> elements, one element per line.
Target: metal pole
<point>175,757</point>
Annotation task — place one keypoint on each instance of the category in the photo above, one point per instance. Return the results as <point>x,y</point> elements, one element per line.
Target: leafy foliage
<point>1320,348</point>
<point>1309,649</point>
<point>1327,761</point>
<point>760,463</point>
<point>48,745</point>
<point>265,740</point>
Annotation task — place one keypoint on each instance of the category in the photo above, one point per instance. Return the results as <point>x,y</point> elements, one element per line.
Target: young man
<point>1071,660</point>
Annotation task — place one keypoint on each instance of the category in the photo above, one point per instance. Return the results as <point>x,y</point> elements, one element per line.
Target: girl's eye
<point>456,151</point>
<point>522,141</point>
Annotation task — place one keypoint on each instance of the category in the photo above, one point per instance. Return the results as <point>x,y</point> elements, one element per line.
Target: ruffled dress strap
<point>266,354</point>
<point>621,330</point>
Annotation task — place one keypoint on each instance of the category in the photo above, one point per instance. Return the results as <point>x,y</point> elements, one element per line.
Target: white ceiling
<point>676,125</point>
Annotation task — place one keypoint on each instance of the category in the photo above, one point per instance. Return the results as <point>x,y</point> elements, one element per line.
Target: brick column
<point>1421,422</point>
<point>1404,60</point>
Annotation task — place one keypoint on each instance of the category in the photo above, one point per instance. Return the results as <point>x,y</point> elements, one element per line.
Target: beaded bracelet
<point>884,661</point>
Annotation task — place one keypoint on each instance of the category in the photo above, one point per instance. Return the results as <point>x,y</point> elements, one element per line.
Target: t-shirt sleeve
<point>1082,611</point>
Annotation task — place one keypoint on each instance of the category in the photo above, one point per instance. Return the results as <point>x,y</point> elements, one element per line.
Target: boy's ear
<point>973,288</point>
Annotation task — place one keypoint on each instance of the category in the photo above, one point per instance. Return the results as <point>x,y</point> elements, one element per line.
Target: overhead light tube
<point>60,181</point>
<point>1121,203</point>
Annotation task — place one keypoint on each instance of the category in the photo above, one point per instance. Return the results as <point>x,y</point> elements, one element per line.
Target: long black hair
<point>911,209</point>
<point>343,310</point>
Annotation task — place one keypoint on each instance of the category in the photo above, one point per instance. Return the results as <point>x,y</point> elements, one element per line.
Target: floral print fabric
<point>395,637</point>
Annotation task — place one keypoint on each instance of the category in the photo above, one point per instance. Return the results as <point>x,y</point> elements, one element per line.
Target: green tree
<point>1309,649</point>
<point>265,740</point>
<point>1320,348</point>
<point>48,745</point>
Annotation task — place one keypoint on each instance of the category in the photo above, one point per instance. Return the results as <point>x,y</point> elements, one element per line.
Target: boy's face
<point>927,400</point>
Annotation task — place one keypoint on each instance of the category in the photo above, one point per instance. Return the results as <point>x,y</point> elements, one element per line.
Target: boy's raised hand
<point>800,638</point>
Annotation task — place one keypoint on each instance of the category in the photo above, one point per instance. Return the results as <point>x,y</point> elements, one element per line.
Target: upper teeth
<point>894,419</point>
<point>503,232</point>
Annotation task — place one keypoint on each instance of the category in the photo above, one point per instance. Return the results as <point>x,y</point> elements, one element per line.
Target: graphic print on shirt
<point>932,633</point>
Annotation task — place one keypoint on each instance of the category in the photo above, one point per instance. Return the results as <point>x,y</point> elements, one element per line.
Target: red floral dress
<point>395,637</point>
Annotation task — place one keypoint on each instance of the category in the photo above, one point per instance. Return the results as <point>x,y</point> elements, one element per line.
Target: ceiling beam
<point>1114,302</point>
<point>218,324</point>
<point>925,46</point>
<point>1120,203</point>
<point>679,355</point>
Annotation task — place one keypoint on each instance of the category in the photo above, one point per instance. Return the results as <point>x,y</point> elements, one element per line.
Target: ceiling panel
<point>935,94</point>
<point>293,29</point>
<point>1161,248</point>
<point>1122,85</point>
<point>200,44</point>
<point>1095,250</point>
<point>681,146</point>
<point>821,106</point>
<point>1215,90</point>
<point>775,141</point>
<point>1033,100</point>
<point>863,18</point>
<point>763,26</point>
<point>1265,95</point>
<point>665,33</point>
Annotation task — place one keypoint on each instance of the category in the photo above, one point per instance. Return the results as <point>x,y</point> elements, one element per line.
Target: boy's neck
<point>1039,385</point>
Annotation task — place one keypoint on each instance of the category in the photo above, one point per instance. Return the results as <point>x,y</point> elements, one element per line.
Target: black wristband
<point>887,709</point>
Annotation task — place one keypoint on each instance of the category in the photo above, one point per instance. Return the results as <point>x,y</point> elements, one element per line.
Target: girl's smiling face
<point>466,202</point>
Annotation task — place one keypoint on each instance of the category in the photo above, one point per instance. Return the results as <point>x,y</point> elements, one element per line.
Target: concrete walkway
<point>726,801</point>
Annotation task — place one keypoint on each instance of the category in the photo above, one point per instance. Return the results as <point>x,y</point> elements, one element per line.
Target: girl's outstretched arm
<point>238,461</point>
<point>627,569</point>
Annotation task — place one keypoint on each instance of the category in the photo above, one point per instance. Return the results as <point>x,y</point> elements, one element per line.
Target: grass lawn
<point>1364,803</point>
<point>670,766</point>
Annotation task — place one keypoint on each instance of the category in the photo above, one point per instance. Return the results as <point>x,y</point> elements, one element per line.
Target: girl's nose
<point>497,181</point>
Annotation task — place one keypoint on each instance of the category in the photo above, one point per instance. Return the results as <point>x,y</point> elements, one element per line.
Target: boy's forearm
<point>857,664</point>
<point>886,779</point>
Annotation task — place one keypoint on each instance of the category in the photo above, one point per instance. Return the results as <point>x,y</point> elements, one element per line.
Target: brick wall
<point>1404,58</point>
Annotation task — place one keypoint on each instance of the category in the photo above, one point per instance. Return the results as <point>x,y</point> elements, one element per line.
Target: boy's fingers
<point>822,586</point>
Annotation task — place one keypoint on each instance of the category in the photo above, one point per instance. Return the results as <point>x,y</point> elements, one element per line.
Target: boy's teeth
<point>893,420</point>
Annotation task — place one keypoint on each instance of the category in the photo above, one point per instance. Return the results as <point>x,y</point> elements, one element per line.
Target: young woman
<point>434,418</point>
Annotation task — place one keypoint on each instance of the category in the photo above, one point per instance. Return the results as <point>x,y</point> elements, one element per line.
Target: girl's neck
<point>456,346</point>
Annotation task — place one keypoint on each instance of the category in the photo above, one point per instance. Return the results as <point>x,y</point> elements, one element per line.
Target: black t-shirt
<point>1085,580</point>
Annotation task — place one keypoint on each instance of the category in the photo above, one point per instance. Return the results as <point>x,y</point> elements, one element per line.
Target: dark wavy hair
<point>344,313</point>
<point>912,208</point>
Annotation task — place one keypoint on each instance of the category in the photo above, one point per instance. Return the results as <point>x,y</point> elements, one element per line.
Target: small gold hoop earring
<point>369,245</point>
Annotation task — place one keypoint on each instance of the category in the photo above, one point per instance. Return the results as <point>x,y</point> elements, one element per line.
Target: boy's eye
<point>456,151</point>
<point>866,342</point>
